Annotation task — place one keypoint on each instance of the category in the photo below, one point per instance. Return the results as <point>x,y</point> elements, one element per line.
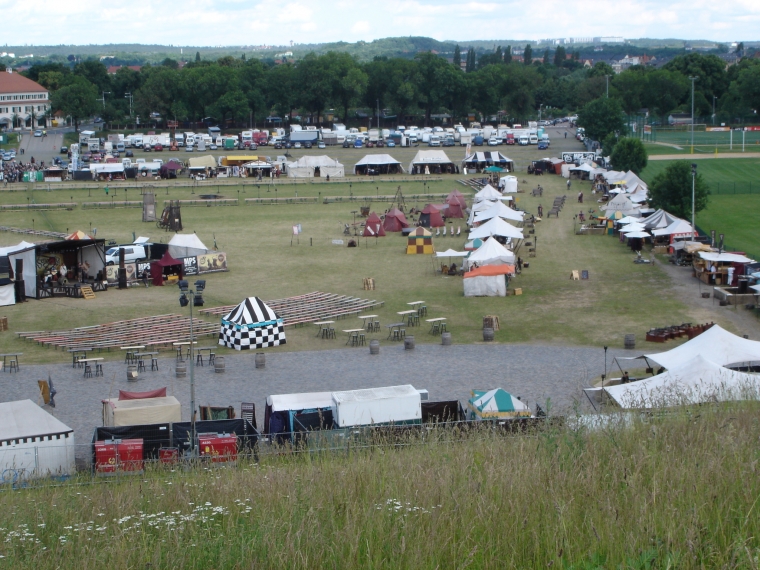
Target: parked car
<point>297,145</point>
<point>391,144</point>
<point>288,145</point>
<point>158,148</point>
<point>38,133</point>
<point>147,148</point>
<point>307,145</point>
<point>346,144</point>
<point>98,120</point>
<point>129,154</point>
<point>370,144</point>
<point>64,150</point>
<point>543,145</point>
<point>7,156</point>
<point>212,147</point>
<point>189,148</point>
<point>493,141</point>
<point>320,144</point>
<point>379,144</point>
<point>448,142</point>
<point>278,145</point>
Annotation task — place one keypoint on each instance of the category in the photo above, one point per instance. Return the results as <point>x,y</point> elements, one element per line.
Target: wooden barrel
<point>446,339</point>
<point>374,346</point>
<point>219,364</point>
<point>132,373</point>
<point>260,359</point>
<point>409,342</point>
<point>629,341</point>
<point>181,370</point>
<point>487,334</point>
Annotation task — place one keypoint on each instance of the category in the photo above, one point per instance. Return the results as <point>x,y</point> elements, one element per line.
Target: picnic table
<point>353,336</point>
<point>14,360</point>
<point>76,353</point>
<point>394,330</point>
<point>364,323</point>
<point>420,306</point>
<point>88,368</point>
<point>324,328</point>
<point>411,315</point>
<point>437,325</point>
<point>199,355</point>
<point>131,351</point>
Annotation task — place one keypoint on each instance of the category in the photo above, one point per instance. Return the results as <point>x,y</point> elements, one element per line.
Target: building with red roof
<point>23,102</point>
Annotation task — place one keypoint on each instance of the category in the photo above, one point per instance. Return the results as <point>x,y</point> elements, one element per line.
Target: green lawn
<point>262,262</point>
<point>736,217</point>
<point>723,176</point>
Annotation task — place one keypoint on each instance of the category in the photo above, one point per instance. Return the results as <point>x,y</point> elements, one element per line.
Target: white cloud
<point>245,22</point>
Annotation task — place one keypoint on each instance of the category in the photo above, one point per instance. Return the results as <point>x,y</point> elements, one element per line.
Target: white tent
<point>630,220</point>
<point>201,162</point>
<point>186,245</point>
<point>382,161</point>
<point>8,292</point>
<point>108,168</point>
<point>141,411</point>
<point>315,166</point>
<point>677,227</point>
<point>660,219</point>
<point>638,234</point>
<point>715,344</point>
<point>496,227</point>
<point>620,203</point>
<point>692,382</point>
<point>450,253</point>
<point>482,159</point>
<point>500,210</point>
<point>429,158</point>
<point>491,253</point>
<point>33,443</point>
<point>508,184</point>
<point>634,227</point>
<point>724,257</point>
<point>488,192</point>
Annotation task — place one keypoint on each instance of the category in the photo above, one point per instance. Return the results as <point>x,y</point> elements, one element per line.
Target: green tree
<point>161,88</point>
<point>232,104</point>
<point>671,190</point>
<point>76,100</point>
<point>197,57</point>
<point>560,55</point>
<point>315,79</point>
<point>508,55</point>
<point>600,69</point>
<point>528,55</point>
<point>401,87</point>
<point>252,79</point>
<point>747,86</point>
<point>601,117</point>
<point>281,92</point>
<point>629,154</point>
<point>51,80</point>
<point>470,63</point>
<point>430,81</point>
<point>546,57</point>
<point>94,72</point>
<point>457,57</point>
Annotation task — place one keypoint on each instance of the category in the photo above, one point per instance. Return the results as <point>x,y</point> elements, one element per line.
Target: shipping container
<point>377,406</point>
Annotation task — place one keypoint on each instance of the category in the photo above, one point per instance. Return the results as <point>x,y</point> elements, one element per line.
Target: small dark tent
<point>431,217</point>
<point>166,265</point>
<point>373,227</point>
<point>395,221</point>
<point>170,169</point>
<point>458,196</point>
<point>454,208</point>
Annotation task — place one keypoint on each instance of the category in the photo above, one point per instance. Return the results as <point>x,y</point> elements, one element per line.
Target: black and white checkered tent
<point>251,325</point>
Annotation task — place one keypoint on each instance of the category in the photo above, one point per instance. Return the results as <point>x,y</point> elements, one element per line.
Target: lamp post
<point>693,184</point>
<point>713,115</point>
<point>692,78</point>
<point>193,299</point>
<point>129,96</point>
<point>539,110</point>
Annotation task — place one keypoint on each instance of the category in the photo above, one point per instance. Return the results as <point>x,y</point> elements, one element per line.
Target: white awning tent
<point>108,168</point>
<point>186,245</point>
<point>488,192</point>
<point>724,257</point>
<point>500,210</point>
<point>715,344</point>
<point>508,184</point>
<point>378,160</point>
<point>320,166</point>
<point>620,203</point>
<point>491,253</point>
<point>33,443</point>
<point>630,220</point>
<point>201,162</point>
<point>695,381</point>
<point>677,227</point>
<point>496,227</point>
<point>429,158</point>
<point>451,253</point>
<point>660,219</point>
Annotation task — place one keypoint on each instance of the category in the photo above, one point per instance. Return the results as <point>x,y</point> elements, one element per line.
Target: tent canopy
<point>431,217</point>
<point>373,227</point>
<point>395,221</point>
<point>378,160</point>
<point>499,210</point>
<point>496,403</point>
<point>676,227</point>
<point>724,257</point>
<point>306,167</point>
<point>489,158</point>
<point>157,268</point>
<point>456,196</point>
<point>488,192</point>
<point>251,325</point>
<point>491,253</point>
<point>186,245</point>
<point>428,158</point>
<point>24,418</point>
<point>490,270</point>
<point>692,382</point>
<point>496,227</point>
<point>202,162</point>
<point>451,253</point>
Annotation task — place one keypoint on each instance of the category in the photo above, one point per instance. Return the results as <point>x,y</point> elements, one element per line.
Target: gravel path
<point>536,373</point>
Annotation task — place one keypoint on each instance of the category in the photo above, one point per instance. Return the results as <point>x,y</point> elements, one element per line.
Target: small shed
<point>141,411</point>
<point>419,241</point>
<point>167,265</point>
<point>33,443</point>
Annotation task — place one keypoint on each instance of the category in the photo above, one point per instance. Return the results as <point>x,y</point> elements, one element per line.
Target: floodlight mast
<point>192,298</point>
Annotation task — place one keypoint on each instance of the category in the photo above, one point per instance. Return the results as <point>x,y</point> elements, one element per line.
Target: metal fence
<point>723,188</point>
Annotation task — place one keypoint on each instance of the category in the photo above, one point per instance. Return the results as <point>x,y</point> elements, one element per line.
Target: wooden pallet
<point>87,292</point>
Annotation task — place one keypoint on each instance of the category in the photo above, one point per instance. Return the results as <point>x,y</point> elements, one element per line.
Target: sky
<point>277,22</point>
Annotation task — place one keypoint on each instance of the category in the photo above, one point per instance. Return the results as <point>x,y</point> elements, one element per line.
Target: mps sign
<point>573,157</point>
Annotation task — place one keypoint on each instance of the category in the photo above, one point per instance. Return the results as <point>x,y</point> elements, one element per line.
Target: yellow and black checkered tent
<point>420,241</point>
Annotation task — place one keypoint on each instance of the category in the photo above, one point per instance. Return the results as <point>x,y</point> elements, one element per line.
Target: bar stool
<point>377,326</point>
<point>422,311</point>
<point>211,358</point>
<point>128,357</point>
<point>331,332</point>
<point>13,364</point>
<point>187,355</point>
<point>98,369</point>
<point>414,320</point>
<point>179,354</point>
<point>402,333</point>
<point>199,359</point>
<point>154,363</point>
<point>436,329</point>
<point>443,328</point>
<point>87,371</point>
<point>141,365</point>
<point>362,339</point>
<point>396,334</point>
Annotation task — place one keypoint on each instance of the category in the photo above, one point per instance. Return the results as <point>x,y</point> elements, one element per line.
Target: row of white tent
<point>700,370</point>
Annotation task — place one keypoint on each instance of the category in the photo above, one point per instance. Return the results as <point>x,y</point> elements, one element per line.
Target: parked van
<point>120,147</point>
<point>435,140</point>
<point>132,253</point>
<point>523,140</point>
<point>533,139</point>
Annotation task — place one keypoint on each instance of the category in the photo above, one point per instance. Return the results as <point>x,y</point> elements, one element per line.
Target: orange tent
<point>395,221</point>
<point>77,235</point>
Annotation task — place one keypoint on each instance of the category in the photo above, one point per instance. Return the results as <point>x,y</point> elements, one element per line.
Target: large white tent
<point>500,210</point>
<point>186,245</point>
<point>496,227</point>
<point>621,203</point>
<point>677,227</point>
<point>715,344</point>
<point>429,159</point>
<point>315,166</point>
<point>491,253</point>
<point>508,184</point>
<point>692,382</point>
<point>724,257</point>
<point>384,163</point>
<point>660,219</point>
<point>488,192</point>
<point>482,159</point>
<point>33,443</point>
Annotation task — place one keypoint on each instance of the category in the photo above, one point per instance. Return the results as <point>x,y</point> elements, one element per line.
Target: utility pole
<point>129,96</point>
<point>378,115</point>
<point>693,184</point>
<point>103,98</point>
<point>692,78</point>
<point>713,117</point>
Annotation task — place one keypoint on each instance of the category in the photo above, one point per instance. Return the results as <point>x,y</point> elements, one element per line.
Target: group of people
<point>13,171</point>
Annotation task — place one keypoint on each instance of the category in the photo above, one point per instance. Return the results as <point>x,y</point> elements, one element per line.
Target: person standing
<point>540,211</point>
<point>580,197</point>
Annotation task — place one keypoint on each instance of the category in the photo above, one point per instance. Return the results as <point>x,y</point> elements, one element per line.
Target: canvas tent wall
<point>431,162</point>
<point>395,221</point>
<point>491,253</point>
<point>487,281</point>
<point>315,167</point>
<point>498,209</point>
<point>141,411</point>
<point>373,227</point>
<point>7,286</point>
<point>186,245</point>
<point>694,381</point>
<point>33,443</point>
<point>488,192</point>
<point>251,325</point>
<point>378,164</point>
<point>496,227</point>
<point>508,184</point>
<point>495,404</point>
<point>419,241</point>
<point>431,217</point>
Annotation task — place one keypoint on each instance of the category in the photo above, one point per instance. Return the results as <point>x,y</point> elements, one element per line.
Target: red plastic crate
<point>220,448</point>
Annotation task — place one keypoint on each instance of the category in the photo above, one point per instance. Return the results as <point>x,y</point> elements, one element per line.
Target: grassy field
<point>723,176</point>
<point>683,137</point>
<point>668,491</point>
<point>729,215</point>
<point>620,297</point>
